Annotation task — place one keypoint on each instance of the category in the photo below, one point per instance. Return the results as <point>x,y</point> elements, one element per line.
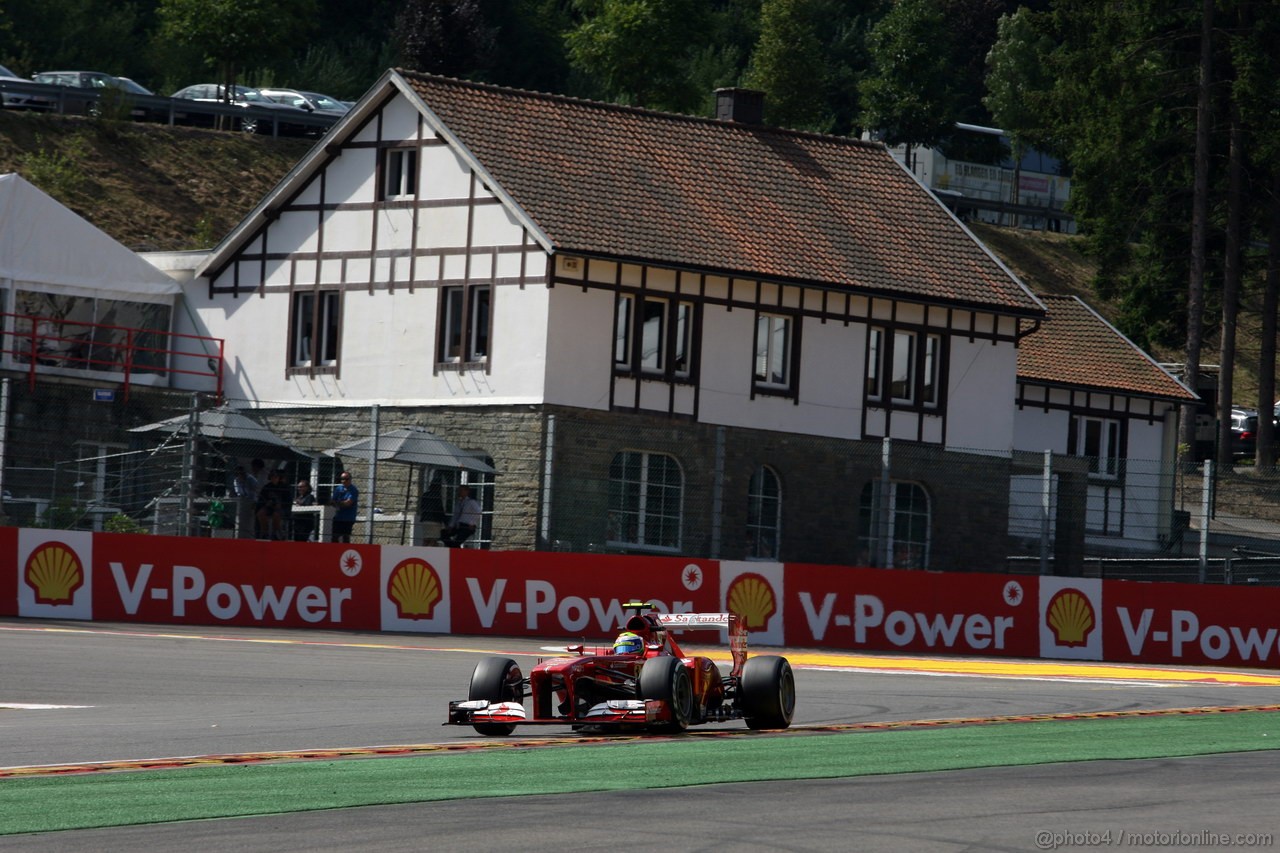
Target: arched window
<point>646,494</point>
<point>894,532</point>
<point>764,515</point>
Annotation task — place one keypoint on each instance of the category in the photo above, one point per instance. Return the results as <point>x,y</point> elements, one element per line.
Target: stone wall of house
<point>822,483</point>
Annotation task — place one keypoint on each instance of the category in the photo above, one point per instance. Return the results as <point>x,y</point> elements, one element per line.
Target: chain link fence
<point>162,462</point>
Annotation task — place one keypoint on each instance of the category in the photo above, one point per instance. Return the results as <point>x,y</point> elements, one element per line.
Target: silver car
<point>20,100</point>
<point>312,102</point>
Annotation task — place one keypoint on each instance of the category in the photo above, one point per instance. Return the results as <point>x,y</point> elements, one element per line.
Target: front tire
<point>666,679</point>
<point>496,680</point>
<point>767,692</point>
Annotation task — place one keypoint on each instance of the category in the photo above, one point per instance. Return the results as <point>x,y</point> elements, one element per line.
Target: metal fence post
<point>882,521</point>
<point>187,518</point>
<point>1204,519</point>
<point>549,442</point>
<point>717,495</point>
<point>4,437</point>
<point>1046,504</point>
<point>373,473</point>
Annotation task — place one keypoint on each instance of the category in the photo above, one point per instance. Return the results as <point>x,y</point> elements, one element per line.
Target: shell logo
<point>751,597</point>
<point>1070,615</point>
<point>415,588</point>
<point>54,571</point>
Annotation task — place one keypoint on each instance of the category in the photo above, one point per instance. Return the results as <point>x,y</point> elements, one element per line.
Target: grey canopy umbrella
<point>414,446</point>
<point>229,432</point>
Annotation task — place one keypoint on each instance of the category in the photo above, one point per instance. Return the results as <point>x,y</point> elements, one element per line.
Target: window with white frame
<point>399,172</point>
<point>764,515</point>
<point>464,323</point>
<point>893,528</point>
<point>773,358</point>
<point>646,493</point>
<point>1098,440</point>
<point>315,328</point>
<point>653,336</point>
<point>904,367</point>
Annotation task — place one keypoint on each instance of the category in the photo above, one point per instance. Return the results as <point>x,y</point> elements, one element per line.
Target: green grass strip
<point>40,804</point>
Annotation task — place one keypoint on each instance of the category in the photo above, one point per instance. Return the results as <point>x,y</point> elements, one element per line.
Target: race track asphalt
<point>152,691</point>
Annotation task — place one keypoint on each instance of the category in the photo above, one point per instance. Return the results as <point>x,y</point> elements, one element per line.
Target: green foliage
<point>908,92</point>
<point>450,37</point>
<point>62,514</point>
<point>789,65</point>
<point>55,171</point>
<point>1018,81</point>
<point>233,33</point>
<point>121,523</point>
<point>638,50</point>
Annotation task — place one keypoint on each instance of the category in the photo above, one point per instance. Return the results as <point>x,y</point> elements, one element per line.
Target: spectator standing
<point>246,495</point>
<point>274,501</point>
<point>304,523</point>
<point>346,499</point>
<point>464,520</point>
<point>257,481</point>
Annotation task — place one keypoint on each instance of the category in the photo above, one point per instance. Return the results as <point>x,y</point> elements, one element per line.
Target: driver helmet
<point>628,644</point>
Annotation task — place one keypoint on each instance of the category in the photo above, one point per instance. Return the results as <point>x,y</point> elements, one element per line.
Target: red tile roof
<point>632,184</point>
<point>1076,347</point>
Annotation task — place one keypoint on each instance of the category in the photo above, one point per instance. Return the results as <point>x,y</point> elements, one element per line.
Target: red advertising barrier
<point>911,611</point>
<point>8,571</point>
<point>133,578</point>
<point>530,593</point>
<point>228,582</point>
<point>1191,624</point>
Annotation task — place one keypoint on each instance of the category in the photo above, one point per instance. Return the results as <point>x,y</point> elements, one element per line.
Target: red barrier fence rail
<point>51,344</point>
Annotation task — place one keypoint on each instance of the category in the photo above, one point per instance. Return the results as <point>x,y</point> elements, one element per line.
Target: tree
<point>46,35</point>
<point>449,37</point>
<point>638,51</point>
<point>908,94</point>
<point>1018,83</point>
<point>233,33</point>
<point>789,65</point>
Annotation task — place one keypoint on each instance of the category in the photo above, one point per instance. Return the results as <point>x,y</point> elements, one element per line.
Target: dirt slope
<point>149,186</point>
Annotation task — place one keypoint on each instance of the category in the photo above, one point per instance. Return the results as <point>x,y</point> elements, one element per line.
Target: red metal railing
<point>97,348</point>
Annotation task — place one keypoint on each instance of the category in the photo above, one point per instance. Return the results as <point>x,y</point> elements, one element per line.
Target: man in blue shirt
<point>346,498</point>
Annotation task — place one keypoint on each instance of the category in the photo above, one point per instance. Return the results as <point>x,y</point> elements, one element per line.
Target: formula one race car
<point>656,686</point>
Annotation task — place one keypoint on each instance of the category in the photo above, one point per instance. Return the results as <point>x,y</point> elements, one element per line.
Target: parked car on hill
<point>21,100</point>
<point>1244,434</point>
<point>107,89</point>
<point>133,87</point>
<point>312,102</point>
<point>241,96</point>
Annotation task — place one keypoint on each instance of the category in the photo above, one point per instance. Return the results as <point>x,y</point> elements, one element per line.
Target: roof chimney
<point>745,106</point>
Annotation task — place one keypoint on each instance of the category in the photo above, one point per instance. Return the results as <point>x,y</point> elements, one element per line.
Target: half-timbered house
<point>668,333</point>
<point>1085,390</point>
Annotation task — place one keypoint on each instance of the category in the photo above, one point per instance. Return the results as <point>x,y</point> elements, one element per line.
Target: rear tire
<point>496,680</point>
<point>666,679</point>
<point>767,692</point>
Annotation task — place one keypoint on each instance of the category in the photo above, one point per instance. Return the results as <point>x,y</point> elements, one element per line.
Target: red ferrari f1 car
<point>656,687</point>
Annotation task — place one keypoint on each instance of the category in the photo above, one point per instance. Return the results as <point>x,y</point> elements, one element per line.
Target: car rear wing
<point>697,621</point>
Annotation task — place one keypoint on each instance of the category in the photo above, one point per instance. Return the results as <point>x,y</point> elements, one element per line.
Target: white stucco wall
<point>980,389</point>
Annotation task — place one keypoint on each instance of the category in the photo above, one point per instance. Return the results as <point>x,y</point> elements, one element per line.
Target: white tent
<point>46,246</point>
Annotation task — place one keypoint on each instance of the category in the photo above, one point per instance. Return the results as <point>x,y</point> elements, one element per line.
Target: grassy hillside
<point>149,186</point>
